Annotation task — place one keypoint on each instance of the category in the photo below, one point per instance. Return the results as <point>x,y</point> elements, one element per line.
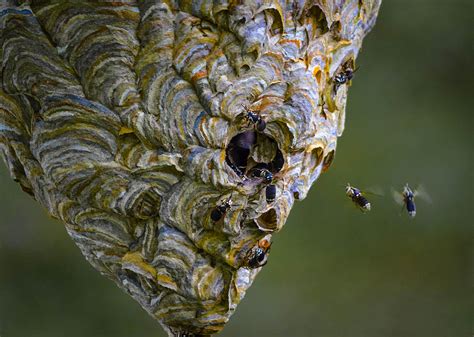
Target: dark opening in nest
<point>241,156</point>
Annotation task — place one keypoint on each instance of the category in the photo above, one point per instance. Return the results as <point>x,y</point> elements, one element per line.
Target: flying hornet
<point>407,198</point>
<point>358,198</point>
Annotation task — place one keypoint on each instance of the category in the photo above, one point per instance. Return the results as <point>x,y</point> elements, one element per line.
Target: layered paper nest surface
<point>157,131</point>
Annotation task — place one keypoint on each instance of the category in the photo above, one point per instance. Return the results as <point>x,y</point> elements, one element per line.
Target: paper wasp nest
<point>150,128</point>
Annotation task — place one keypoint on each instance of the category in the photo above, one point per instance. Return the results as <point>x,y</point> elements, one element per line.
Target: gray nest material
<point>173,137</point>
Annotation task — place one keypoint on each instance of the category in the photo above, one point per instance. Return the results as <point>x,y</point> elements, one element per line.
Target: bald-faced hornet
<point>270,193</point>
<point>257,257</point>
<point>256,120</point>
<point>262,171</point>
<point>407,198</point>
<point>344,76</point>
<point>220,210</point>
<point>356,195</point>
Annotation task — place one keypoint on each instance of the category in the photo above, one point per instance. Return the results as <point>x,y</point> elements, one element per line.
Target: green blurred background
<point>333,271</point>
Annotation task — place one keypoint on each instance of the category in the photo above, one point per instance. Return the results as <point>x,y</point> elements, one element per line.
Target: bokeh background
<point>333,271</point>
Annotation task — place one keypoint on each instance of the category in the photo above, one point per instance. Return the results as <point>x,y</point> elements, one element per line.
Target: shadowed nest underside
<point>173,137</point>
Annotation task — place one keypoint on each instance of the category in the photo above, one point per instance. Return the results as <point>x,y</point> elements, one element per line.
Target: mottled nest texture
<point>173,137</point>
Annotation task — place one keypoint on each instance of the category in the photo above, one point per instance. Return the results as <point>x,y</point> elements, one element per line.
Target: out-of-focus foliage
<point>336,272</point>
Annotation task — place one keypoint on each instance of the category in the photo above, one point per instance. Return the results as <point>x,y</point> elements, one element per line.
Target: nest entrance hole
<point>268,220</point>
<point>318,20</point>
<point>250,150</point>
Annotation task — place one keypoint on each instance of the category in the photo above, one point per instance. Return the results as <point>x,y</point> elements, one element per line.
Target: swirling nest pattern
<point>118,118</point>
